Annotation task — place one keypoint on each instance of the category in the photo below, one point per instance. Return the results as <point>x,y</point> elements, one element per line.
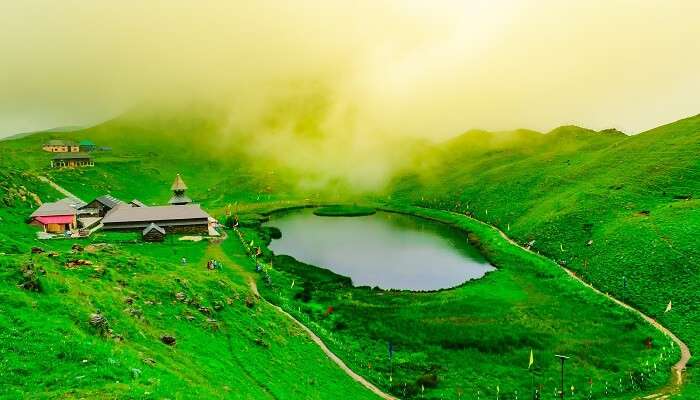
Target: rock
<point>168,339</point>
<point>250,301</point>
<point>30,279</point>
<point>149,361</point>
<point>180,296</point>
<point>134,312</point>
<point>52,254</point>
<point>99,322</point>
<point>204,310</point>
<point>589,243</point>
<point>77,263</point>
<point>98,272</point>
<point>76,247</point>
<point>213,324</point>
<point>37,250</point>
<point>129,300</point>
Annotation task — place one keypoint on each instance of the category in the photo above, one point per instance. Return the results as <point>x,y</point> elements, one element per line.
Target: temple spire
<point>179,188</point>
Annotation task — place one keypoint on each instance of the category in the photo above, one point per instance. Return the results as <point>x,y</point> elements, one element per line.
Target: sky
<point>364,68</point>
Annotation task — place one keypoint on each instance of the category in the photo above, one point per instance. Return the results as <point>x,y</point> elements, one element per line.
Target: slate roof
<point>72,156</point>
<point>153,226</point>
<point>180,199</point>
<point>53,209</point>
<point>109,201</point>
<point>156,213</point>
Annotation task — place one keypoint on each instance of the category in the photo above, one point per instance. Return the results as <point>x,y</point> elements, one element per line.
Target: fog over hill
<point>375,69</point>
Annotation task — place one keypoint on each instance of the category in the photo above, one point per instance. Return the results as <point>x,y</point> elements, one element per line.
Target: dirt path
<point>216,252</point>
<point>59,188</point>
<point>357,378</point>
<point>677,369</point>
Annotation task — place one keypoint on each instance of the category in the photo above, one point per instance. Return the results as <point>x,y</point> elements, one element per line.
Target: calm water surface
<point>387,250</point>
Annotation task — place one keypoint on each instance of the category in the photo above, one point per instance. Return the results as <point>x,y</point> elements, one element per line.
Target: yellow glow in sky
<point>409,67</point>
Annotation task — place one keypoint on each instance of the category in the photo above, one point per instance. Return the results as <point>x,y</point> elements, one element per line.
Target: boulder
<point>168,339</point>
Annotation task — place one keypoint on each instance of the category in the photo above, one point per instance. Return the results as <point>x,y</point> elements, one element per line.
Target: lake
<point>387,250</point>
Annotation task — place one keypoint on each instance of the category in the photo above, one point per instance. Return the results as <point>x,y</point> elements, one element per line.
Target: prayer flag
<point>668,307</point>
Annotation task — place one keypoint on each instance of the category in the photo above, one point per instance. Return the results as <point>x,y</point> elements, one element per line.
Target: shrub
<point>273,232</point>
<point>429,380</point>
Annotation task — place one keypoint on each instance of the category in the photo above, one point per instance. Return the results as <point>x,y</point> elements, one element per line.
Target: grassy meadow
<point>477,336</point>
<point>621,211</point>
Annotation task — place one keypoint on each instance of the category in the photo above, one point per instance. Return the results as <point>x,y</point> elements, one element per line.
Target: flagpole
<point>562,358</point>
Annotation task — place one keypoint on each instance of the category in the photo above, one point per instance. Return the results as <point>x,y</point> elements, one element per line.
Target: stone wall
<point>189,229</point>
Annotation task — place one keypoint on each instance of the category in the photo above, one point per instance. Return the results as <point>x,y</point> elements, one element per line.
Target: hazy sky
<point>408,67</point>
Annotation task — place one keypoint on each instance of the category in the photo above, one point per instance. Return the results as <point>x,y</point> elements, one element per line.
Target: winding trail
<point>677,369</point>
<point>332,356</point>
<point>59,188</point>
<point>216,252</point>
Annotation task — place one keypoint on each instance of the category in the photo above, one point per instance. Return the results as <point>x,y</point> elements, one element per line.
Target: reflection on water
<point>391,251</point>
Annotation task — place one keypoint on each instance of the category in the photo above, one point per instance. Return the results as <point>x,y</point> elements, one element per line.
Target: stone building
<point>61,146</point>
<point>190,218</point>
<point>72,160</point>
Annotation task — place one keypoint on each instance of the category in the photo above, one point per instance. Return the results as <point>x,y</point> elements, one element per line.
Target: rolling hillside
<point>621,211</point>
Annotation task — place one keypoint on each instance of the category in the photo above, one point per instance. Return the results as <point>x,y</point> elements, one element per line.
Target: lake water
<point>387,250</point>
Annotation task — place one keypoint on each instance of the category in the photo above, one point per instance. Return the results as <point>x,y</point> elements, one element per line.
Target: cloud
<point>361,74</point>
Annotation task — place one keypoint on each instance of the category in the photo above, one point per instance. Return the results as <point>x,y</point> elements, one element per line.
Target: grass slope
<point>229,345</point>
<point>623,212</point>
<point>635,198</point>
<point>478,336</point>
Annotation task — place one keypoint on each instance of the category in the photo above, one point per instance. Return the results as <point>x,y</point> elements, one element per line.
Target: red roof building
<point>56,217</point>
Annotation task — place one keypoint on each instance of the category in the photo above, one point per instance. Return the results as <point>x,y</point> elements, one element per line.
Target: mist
<point>342,83</point>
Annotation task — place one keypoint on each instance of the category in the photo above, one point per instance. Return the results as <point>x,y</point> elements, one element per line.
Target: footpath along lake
<point>391,251</point>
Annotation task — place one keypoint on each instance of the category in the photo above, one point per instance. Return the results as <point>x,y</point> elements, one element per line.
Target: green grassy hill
<point>228,344</point>
<point>613,208</point>
<point>606,205</point>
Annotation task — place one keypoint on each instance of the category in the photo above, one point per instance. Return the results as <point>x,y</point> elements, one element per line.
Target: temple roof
<point>178,184</point>
<point>125,214</point>
<point>180,199</point>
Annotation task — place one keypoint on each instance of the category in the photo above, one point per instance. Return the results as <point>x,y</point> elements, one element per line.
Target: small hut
<point>153,233</point>
<point>57,217</point>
